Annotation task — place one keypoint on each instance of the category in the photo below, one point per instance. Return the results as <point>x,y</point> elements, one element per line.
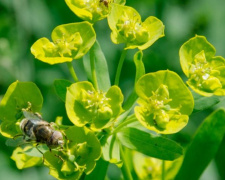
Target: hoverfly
<point>38,131</point>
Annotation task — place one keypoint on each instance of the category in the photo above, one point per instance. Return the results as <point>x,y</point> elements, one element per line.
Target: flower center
<point>132,29</point>
<point>97,103</point>
<point>64,47</point>
<point>202,74</point>
<point>158,106</point>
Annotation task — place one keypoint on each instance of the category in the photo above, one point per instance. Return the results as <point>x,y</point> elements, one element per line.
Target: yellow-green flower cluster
<point>127,27</point>
<point>204,70</point>
<point>69,41</point>
<point>91,10</point>
<point>165,102</point>
<point>86,106</point>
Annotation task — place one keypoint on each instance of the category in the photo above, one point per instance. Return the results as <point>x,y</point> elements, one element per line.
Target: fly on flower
<point>37,131</point>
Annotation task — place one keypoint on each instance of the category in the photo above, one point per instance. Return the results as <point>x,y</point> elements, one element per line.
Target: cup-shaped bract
<point>69,41</point>
<point>127,27</point>
<point>165,102</point>
<point>85,105</point>
<point>83,149</point>
<point>15,99</point>
<point>24,160</point>
<point>92,10</point>
<point>205,71</point>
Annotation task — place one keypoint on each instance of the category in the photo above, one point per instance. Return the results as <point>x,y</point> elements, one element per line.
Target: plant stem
<point>125,169</point>
<point>120,65</point>
<point>93,70</point>
<point>163,170</point>
<point>124,123</point>
<point>72,71</point>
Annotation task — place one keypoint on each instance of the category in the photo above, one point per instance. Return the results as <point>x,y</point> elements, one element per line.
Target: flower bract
<point>91,10</point>
<point>85,105</point>
<point>205,71</point>
<point>69,41</point>
<point>165,102</point>
<point>127,27</point>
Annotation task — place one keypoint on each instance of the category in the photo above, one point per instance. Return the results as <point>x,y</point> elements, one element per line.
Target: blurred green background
<point>22,22</point>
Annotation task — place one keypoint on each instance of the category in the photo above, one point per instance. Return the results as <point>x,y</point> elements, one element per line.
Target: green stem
<point>125,169</point>
<point>124,123</point>
<point>120,65</point>
<point>93,70</point>
<point>72,71</point>
<point>163,170</point>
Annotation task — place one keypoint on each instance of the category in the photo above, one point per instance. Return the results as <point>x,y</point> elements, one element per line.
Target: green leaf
<point>23,160</point>
<point>15,99</point>
<point>202,102</point>
<point>87,66</point>
<point>99,172</point>
<point>220,159</point>
<point>70,41</point>
<point>204,146</point>
<point>127,27</point>
<point>149,144</point>
<point>165,102</point>
<point>60,86</point>
<point>101,68</point>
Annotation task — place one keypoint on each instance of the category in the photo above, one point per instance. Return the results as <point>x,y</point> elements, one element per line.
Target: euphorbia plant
<point>105,129</point>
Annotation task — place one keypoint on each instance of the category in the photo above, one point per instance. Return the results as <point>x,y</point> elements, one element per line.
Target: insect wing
<point>16,142</point>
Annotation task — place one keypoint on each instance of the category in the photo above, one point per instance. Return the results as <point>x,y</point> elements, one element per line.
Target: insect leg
<point>58,156</point>
<point>39,149</point>
<point>43,160</point>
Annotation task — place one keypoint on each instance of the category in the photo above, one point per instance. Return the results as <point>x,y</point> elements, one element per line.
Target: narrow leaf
<point>149,144</point>
<point>204,146</point>
<point>202,102</point>
<point>60,86</point>
<point>101,68</point>
<point>87,66</point>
